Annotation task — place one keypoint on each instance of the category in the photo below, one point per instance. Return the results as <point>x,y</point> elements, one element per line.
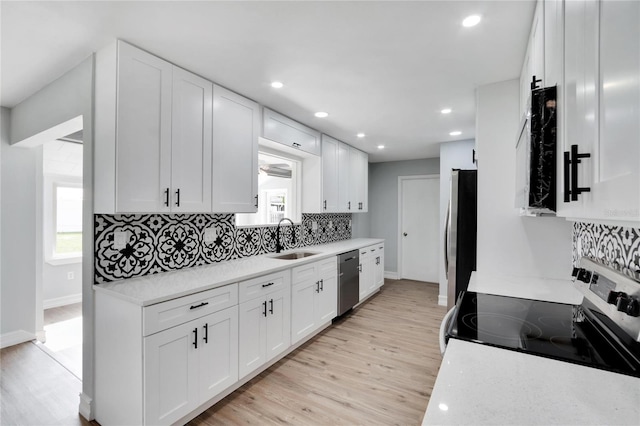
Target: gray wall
<point>382,219</point>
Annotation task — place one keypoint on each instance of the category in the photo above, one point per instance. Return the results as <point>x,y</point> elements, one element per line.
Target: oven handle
<point>446,241</point>
<point>444,325</point>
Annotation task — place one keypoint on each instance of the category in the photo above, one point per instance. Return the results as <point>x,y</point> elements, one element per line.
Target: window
<point>278,191</point>
<point>68,221</point>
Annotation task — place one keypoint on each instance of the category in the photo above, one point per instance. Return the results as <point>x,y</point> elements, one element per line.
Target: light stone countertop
<point>484,385</point>
<point>156,288</point>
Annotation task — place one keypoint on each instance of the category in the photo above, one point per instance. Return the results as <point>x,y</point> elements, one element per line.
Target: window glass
<point>278,183</point>
<point>68,229</point>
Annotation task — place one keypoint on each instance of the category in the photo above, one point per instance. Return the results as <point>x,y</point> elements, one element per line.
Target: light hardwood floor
<point>375,366</point>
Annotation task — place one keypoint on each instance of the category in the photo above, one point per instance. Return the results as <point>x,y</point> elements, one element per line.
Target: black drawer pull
<point>271,306</point>
<point>267,285</point>
<point>206,333</point>
<point>195,341</point>
<point>199,306</point>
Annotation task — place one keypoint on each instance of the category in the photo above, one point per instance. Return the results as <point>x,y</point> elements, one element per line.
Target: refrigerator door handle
<point>447,221</point>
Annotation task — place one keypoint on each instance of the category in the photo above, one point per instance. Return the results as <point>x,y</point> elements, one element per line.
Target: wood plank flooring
<point>376,366</point>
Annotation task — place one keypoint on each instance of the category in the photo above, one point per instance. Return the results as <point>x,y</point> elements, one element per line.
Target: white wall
<point>509,244</point>
<point>63,104</point>
<point>18,250</point>
<point>453,155</point>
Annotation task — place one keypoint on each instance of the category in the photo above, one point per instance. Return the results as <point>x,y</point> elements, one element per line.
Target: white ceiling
<point>382,68</point>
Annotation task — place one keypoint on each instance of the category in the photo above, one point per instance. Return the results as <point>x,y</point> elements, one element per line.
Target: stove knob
<point>613,296</point>
<point>633,307</point>
<point>623,302</point>
<point>584,275</point>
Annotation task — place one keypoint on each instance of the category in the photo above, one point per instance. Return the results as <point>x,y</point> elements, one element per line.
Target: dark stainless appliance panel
<point>348,281</point>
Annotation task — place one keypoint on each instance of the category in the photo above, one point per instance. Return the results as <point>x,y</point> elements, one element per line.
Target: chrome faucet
<point>293,235</point>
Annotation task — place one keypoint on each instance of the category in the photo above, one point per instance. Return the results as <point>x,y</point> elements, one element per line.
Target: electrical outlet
<point>349,223</point>
<point>210,235</point>
<point>120,239</point>
<point>314,226</point>
<point>70,275</point>
<point>330,224</point>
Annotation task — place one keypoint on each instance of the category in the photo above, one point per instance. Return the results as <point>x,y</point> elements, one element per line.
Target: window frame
<point>52,183</point>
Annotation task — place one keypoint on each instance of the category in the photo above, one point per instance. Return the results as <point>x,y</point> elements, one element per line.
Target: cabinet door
<point>330,174</point>
<point>284,130</point>
<point>327,298</point>
<point>303,316</point>
<point>218,355</point>
<point>344,178</point>
<point>252,336</point>
<point>580,93</point>
<point>235,152</point>
<point>191,142</point>
<point>614,165</point>
<point>278,332</point>
<point>171,373</point>
<point>143,135</point>
<point>379,265</point>
<point>363,185</point>
<point>553,40</point>
<point>358,180</point>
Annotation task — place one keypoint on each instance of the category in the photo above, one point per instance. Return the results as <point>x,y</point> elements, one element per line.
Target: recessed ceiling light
<point>277,85</point>
<point>380,146</point>
<point>446,111</point>
<point>455,133</point>
<point>361,135</point>
<point>321,114</point>
<point>471,21</point>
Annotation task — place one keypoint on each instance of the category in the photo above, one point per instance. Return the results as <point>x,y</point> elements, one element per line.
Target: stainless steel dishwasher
<point>348,281</point>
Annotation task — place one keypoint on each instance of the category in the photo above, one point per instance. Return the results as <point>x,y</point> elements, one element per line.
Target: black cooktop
<point>548,329</point>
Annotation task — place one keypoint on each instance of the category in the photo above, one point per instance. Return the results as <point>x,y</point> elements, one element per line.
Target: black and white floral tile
<point>165,242</point>
<point>612,244</point>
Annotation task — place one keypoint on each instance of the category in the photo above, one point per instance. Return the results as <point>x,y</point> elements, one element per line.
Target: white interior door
<point>419,225</point>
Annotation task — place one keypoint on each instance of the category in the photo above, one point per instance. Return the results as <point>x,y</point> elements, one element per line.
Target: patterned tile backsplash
<point>612,244</point>
<point>166,242</point>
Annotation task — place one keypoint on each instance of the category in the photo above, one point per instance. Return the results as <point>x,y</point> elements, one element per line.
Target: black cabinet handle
<point>317,286</point>
<point>264,308</point>
<point>166,197</point>
<point>199,306</point>
<point>322,285</point>
<point>349,206</point>
<point>534,82</point>
<point>567,176</point>
<point>575,160</point>
<point>360,267</point>
<point>270,306</point>
<point>267,285</point>
<point>178,197</point>
<point>206,332</point>
<point>325,204</point>
<point>256,204</point>
<point>195,340</point>
<point>296,145</point>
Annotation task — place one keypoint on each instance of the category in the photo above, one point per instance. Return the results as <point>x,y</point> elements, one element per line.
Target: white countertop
<point>547,289</point>
<point>164,286</point>
<point>482,385</point>
<point>479,384</point>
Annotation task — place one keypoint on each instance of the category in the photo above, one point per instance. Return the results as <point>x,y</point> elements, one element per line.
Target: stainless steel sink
<point>294,255</point>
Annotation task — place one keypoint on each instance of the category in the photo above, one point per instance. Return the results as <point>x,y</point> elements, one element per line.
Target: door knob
<point>405,234</point>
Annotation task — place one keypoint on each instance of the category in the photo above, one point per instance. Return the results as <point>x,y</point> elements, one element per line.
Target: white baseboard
<point>442,300</point>
<point>391,275</point>
<point>15,337</point>
<point>86,407</point>
<point>62,301</point>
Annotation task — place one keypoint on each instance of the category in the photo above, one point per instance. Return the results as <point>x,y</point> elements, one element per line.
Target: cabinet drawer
<point>177,311</point>
<point>367,252</point>
<point>265,284</point>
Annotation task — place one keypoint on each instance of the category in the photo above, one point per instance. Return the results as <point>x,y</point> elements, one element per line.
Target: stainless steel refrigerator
<point>460,232</point>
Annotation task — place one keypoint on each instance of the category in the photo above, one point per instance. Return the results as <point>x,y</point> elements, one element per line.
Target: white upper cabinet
<point>601,111</point>
<point>358,181</point>
<point>330,171</point>
<point>553,43</point>
<point>153,135</point>
<point>344,186</point>
<point>533,65</point>
<point>236,125</point>
<point>142,144</point>
<point>284,130</point>
<point>191,142</point>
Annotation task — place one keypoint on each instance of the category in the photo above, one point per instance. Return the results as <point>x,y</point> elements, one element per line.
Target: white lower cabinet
<point>189,364</point>
<point>265,319</point>
<point>314,297</point>
<point>371,269</point>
